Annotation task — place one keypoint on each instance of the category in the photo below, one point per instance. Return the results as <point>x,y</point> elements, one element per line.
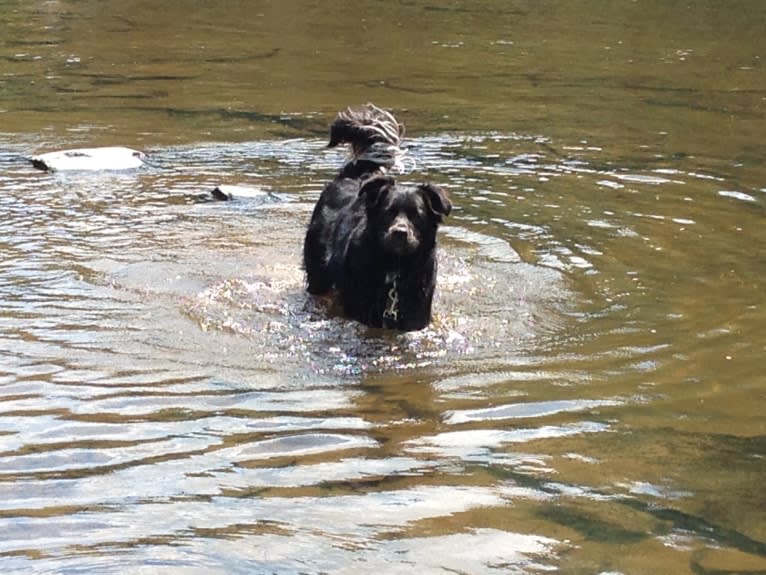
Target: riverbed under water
<point>590,396</point>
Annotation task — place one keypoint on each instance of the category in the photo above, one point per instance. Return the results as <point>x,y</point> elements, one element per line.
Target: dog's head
<point>404,219</point>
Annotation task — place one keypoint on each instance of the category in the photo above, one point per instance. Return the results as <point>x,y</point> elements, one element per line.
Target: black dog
<point>370,239</point>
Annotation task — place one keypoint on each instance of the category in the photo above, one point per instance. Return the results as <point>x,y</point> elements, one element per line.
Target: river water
<point>590,397</point>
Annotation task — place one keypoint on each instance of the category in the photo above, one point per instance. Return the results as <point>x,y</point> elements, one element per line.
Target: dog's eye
<point>414,213</point>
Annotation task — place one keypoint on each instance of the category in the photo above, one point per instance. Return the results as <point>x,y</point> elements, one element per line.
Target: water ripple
<point>171,398</point>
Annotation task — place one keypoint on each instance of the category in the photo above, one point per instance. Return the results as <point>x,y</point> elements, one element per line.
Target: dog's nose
<point>400,230</point>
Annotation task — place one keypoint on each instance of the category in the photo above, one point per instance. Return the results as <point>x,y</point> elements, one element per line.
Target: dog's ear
<point>437,200</point>
<point>373,188</point>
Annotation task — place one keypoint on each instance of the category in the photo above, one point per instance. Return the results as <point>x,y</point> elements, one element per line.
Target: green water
<point>590,397</point>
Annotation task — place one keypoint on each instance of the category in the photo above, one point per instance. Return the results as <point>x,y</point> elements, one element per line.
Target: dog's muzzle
<point>400,238</point>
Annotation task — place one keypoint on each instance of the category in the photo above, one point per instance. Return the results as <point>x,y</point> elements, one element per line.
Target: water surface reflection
<point>589,396</point>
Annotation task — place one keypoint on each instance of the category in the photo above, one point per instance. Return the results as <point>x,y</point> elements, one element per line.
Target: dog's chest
<point>391,308</point>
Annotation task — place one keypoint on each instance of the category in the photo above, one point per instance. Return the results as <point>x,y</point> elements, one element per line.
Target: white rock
<point>226,192</point>
<point>107,158</point>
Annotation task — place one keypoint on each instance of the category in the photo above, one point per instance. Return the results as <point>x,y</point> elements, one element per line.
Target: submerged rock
<point>106,158</point>
<point>225,193</point>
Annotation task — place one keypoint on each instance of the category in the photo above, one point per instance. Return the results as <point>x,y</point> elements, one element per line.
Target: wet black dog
<point>370,239</point>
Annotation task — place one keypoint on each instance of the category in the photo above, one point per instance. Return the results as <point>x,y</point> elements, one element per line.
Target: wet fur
<point>366,230</point>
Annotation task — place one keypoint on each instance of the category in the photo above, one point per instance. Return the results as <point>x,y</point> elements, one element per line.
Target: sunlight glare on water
<point>588,397</point>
